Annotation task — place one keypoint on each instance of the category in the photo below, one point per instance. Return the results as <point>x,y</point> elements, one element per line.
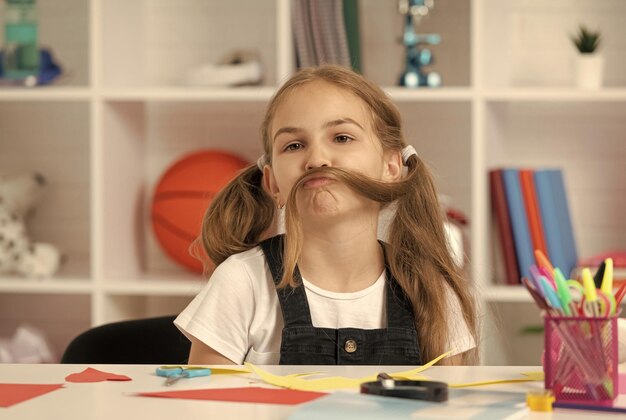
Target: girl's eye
<point>293,147</point>
<point>342,138</point>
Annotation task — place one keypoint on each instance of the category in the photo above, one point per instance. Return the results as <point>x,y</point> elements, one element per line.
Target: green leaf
<point>586,41</point>
<point>531,330</point>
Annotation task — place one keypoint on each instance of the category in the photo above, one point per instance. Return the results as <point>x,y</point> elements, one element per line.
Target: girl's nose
<point>317,158</point>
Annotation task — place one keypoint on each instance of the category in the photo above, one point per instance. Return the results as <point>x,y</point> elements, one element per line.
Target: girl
<point>328,292</point>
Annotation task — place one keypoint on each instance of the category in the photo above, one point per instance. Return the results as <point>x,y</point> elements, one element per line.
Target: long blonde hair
<point>418,254</point>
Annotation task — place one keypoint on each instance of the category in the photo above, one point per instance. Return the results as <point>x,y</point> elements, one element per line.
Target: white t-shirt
<point>238,314</point>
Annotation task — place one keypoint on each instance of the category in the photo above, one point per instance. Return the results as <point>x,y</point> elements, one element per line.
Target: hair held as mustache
<point>374,189</point>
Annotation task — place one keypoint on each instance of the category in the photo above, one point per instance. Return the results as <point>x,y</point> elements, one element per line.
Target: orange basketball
<point>182,196</point>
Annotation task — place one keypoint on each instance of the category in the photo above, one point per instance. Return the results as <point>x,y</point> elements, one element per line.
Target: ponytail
<point>420,258</point>
<point>238,216</point>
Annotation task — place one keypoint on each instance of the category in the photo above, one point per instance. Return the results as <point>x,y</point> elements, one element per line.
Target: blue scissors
<point>174,373</point>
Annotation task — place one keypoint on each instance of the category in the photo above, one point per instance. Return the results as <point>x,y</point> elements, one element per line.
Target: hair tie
<point>260,162</point>
<point>407,152</point>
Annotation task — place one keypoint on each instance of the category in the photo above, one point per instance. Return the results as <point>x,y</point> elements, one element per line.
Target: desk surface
<point>112,400</point>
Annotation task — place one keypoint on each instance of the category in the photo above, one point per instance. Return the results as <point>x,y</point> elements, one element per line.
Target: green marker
<point>563,291</point>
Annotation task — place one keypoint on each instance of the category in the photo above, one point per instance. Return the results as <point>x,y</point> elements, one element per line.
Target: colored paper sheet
<point>335,382</point>
<point>95,375</point>
<point>11,394</point>
<point>249,395</point>
<point>622,383</point>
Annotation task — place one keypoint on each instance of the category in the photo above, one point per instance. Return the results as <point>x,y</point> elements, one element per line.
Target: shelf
<point>246,94</point>
<point>156,43</point>
<point>122,114</point>
<point>60,317</point>
<point>49,286</point>
<point>51,93</point>
<point>383,55</point>
<point>554,94</point>
<point>401,94</point>
<point>264,93</point>
<point>52,140</point>
<point>584,140</point>
<point>126,287</point>
<point>448,123</point>
<point>510,294</point>
<point>499,294</point>
<point>526,43</point>
<point>143,141</point>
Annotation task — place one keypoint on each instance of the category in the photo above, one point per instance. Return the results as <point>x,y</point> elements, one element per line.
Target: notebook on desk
<point>462,404</point>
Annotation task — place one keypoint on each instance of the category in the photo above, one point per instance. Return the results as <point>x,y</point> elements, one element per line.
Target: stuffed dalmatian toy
<point>18,254</point>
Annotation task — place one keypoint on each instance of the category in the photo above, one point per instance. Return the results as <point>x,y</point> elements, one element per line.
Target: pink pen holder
<point>580,362</point>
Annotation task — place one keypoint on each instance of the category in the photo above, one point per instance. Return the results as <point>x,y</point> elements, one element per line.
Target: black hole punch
<point>386,386</point>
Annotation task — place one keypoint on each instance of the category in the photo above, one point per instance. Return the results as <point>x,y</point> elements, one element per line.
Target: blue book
<point>462,403</point>
<point>519,223</point>
<point>570,254</point>
<point>556,219</point>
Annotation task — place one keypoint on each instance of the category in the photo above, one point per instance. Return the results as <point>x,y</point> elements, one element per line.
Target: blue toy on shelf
<point>49,70</point>
<point>417,55</point>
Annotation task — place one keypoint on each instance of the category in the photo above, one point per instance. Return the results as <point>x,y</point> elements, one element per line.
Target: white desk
<point>110,400</point>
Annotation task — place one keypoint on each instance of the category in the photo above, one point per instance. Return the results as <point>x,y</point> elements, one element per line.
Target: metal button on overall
<point>350,346</point>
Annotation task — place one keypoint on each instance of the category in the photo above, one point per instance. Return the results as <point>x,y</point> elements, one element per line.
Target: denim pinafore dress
<point>304,344</point>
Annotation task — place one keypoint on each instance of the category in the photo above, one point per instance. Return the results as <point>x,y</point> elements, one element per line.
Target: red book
<point>533,213</point>
<point>505,232</point>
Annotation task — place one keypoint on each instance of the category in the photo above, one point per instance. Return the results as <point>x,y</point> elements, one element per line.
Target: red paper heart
<point>95,375</point>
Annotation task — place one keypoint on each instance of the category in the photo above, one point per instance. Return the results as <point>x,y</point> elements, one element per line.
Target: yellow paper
<point>296,381</point>
<point>222,370</point>
<point>530,377</point>
<point>535,376</point>
<point>489,382</point>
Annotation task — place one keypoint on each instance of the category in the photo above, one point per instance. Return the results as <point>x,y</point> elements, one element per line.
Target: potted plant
<point>590,64</point>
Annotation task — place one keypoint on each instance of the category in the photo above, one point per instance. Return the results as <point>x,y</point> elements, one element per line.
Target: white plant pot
<point>590,70</point>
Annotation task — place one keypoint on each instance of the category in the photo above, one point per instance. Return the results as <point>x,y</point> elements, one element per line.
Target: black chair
<point>141,341</point>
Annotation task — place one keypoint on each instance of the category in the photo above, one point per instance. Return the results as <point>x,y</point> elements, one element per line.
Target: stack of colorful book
<point>531,212</point>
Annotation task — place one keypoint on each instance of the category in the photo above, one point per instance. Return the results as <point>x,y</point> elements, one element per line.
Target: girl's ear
<point>269,182</point>
<point>393,166</point>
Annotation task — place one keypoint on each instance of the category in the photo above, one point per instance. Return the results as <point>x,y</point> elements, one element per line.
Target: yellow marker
<point>540,401</point>
<point>607,279</point>
<point>589,286</point>
<point>543,261</point>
